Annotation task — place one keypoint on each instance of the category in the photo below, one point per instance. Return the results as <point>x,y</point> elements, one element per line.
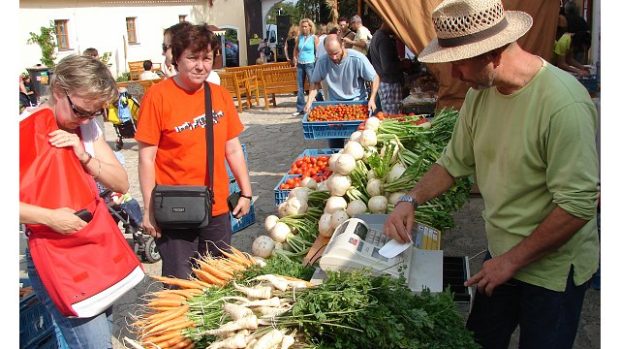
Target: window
<point>62,34</point>
<point>182,18</point>
<point>131,30</point>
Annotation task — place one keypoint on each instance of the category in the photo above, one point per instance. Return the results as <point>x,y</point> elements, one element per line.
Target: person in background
<point>289,45</point>
<point>91,52</point>
<point>526,131</point>
<point>305,56</point>
<point>172,149</point>
<point>346,72</point>
<point>80,88</point>
<point>345,32</point>
<point>575,23</point>
<point>27,98</point>
<point>147,74</point>
<point>384,58</point>
<point>320,51</point>
<point>564,50</point>
<point>362,36</point>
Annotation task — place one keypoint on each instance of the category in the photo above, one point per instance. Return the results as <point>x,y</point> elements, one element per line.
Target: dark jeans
<point>177,247</point>
<point>547,319</point>
<point>304,71</point>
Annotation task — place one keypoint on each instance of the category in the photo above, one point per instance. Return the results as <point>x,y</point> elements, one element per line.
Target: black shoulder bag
<point>188,206</point>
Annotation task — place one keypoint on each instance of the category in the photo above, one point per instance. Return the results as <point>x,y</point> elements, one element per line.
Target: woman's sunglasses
<point>165,47</point>
<point>83,114</point>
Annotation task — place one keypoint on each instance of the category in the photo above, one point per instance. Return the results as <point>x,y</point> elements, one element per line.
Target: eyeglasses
<point>81,113</point>
<point>165,47</point>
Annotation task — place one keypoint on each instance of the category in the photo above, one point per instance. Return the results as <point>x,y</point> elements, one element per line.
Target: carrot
<point>244,255</point>
<point>176,324</point>
<point>186,294</point>
<point>159,303</point>
<point>186,284</point>
<point>208,278</point>
<point>220,274</point>
<point>186,343</point>
<point>169,316</point>
<point>228,265</point>
<point>161,338</point>
<point>237,259</point>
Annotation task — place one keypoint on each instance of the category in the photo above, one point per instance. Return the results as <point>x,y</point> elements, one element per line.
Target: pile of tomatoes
<point>315,167</point>
<point>339,112</point>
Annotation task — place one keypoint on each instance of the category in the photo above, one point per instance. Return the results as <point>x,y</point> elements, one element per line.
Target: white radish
<point>337,218</point>
<point>248,322</point>
<point>280,232</point>
<point>356,207</point>
<point>271,221</point>
<point>373,123</point>
<point>282,209</point>
<point>335,203</point>
<point>258,292</point>
<point>236,311</point>
<point>269,340</point>
<point>368,138</point>
<point>378,204</point>
<point>338,184</point>
<point>395,172</point>
<point>263,246</point>
<point>374,187</point>
<point>355,136</point>
<point>332,161</point>
<point>309,183</point>
<point>325,226</point>
<point>354,149</point>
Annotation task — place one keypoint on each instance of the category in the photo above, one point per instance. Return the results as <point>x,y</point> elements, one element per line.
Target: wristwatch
<point>409,199</point>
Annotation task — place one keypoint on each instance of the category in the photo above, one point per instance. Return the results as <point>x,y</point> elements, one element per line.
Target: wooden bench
<point>238,85</point>
<point>137,67</point>
<point>278,81</point>
<point>137,88</point>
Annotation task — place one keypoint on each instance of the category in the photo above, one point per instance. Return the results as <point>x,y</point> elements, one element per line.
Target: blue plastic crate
<point>245,221</point>
<point>36,329</point>
<point>282,194</point>
<point>245,155</point>
<point>330,129</point>
<point>318,152</point>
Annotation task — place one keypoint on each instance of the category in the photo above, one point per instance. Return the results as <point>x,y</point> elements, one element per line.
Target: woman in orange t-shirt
<point>172,149</point>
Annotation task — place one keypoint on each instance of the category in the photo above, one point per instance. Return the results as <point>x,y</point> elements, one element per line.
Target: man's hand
<point>64,221</point>
<point>494,272</point>
<point>372,105</point>
<point>347,41</point>
<point>399,223</point>
<point>308,106</point>
<point>149,225</point>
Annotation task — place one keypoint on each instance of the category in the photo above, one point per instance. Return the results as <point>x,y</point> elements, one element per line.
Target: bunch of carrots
<point>162,326</point>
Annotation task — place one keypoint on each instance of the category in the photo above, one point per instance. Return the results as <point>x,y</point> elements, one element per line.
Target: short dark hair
<point>343,19</point>
<point>91,51</point>
<point>147,65</point>
<point>581,40</point>
<point>196,37</point>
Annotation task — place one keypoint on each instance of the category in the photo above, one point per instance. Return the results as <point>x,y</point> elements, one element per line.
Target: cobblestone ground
<point>273,139</point>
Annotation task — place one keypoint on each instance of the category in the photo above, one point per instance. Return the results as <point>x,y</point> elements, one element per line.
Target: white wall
<point>92,24</point>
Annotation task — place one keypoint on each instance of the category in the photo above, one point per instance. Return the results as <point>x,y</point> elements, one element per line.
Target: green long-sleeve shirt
<point>530,152</point>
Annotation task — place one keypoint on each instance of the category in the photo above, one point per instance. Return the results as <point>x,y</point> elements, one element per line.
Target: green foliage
<point>46,39</point>
<point>123,77</point>
<point>280,265</point>
<point>105,59</point>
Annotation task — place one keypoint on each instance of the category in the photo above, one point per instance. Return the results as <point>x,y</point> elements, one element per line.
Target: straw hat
<point>468,28</point>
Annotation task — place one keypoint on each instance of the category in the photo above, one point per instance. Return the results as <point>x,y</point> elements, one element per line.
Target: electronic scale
<point>357,243</point>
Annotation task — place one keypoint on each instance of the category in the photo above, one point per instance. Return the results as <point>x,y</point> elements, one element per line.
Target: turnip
<point>271,221</point>
<point>345,164</point>
<point>282,209</point>
<point>322,186</point>
<point>378,204</point>
<point>335,203</point>
<point>300,193</point>
<point>325,227</point>
<point>356,207</point>
<point>368,138</point>
<point>395,172</point>
<point>262,246</point>
<point>371,174</point>
<point>374,187</point>
<point>338,184</point>
<point>394,197</point>
<point>373,123</point>
<point>331,163</point>
<point>309,182</point>
<point>354,149</point>
<point>296,206</point>
<point>355,136</point>
<point>280,232</point>
<point>337,218</point>
<point>370,151</point>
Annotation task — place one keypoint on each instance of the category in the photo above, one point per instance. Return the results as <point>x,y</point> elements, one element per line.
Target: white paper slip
<point>393,248</point>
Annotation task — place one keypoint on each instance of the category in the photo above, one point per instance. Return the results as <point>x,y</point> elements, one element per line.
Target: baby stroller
<point>126,210</point>
<point>124,116</point>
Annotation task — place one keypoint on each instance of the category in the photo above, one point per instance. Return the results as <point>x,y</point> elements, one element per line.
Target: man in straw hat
<point>527,132</point>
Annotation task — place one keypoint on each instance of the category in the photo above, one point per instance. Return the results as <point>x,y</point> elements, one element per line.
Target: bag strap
<point>209,134</point>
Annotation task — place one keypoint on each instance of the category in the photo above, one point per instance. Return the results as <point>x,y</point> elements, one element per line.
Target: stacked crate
<point>238,224</point>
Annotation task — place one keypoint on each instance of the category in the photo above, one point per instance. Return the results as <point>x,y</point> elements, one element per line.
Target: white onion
<point>309,183</point>
<point>262,246</point>
<point>395,172</point>
<point>345,164</point>
<point>378,204</point>
<point>356,207</point>
<point>394,197</point>
<point>335,203</point>
<point>338,184</point>
<point>325,228</point>
<point>354,149</point>
<point>355,136</point>
<point>373,123</point>
<point>271,221</point>
<point>332,161</point>
<point>337,218</point>
<point>374,187</point>
<point>369,138</point>
<point>280,232</point>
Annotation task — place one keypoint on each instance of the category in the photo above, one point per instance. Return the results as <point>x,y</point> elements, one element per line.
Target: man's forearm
<point>434,183</point>
<point>554,231</point>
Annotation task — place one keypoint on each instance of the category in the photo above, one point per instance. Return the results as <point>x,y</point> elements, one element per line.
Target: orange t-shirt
<point>173,119</point>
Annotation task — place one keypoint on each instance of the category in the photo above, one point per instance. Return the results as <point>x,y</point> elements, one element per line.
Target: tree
<point>46,39</point>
